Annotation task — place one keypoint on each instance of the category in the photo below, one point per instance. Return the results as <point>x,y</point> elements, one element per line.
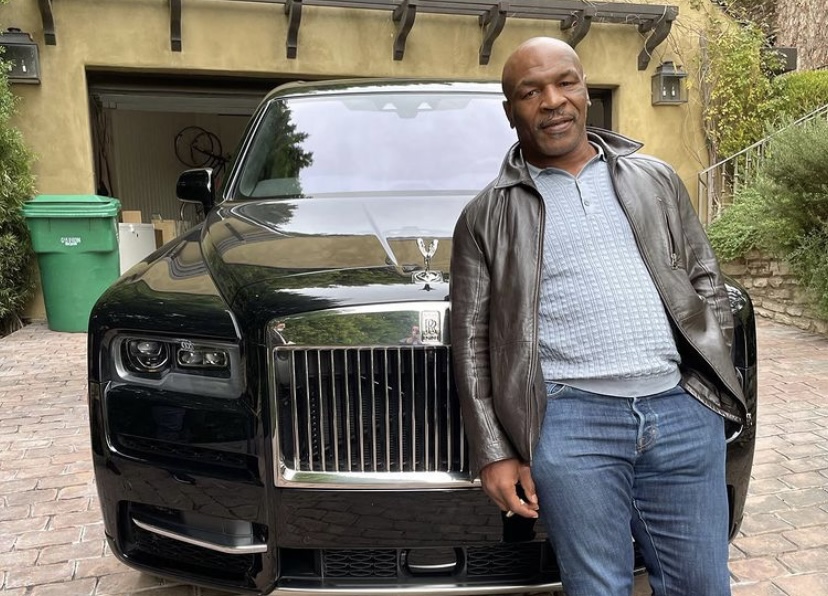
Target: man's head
<point>546,103</point>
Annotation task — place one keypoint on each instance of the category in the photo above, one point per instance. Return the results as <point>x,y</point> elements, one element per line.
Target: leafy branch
<point>16,186</point>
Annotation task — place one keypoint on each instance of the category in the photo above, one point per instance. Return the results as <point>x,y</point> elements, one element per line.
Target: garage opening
<point>148,128</point>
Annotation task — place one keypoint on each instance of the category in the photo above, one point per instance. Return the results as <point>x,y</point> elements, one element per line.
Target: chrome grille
<point>375,410</point>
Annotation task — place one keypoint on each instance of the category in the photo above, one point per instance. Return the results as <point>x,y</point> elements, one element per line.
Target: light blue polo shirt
<point>602,325</point>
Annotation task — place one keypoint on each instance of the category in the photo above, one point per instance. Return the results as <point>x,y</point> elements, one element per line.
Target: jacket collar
<point>514,170</point>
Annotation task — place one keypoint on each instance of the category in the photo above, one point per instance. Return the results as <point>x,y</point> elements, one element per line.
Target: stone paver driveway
<point>51,536</point>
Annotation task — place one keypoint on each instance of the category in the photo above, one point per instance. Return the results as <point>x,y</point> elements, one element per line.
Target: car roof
<point>371,86</point>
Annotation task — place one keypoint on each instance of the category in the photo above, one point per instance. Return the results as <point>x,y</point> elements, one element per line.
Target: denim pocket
<point>554,389</point>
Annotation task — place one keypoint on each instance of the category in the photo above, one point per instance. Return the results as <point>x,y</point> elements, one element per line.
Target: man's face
<point>547,103</point>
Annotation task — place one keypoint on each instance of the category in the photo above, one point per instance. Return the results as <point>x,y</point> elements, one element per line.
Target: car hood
<point>273,258</point>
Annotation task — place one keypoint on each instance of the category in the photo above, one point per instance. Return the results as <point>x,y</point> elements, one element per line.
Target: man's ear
<point>507,107</point>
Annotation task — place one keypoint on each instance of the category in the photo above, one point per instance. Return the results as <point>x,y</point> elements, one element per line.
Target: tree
<point>16,186</point>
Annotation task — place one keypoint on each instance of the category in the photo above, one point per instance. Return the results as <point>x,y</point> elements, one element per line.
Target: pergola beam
<point>579,23</point>
<point>661,29</point>
<point>293,10</point>
<point>575,17</point>
<point>48,18</point>
<point>403,16</point>
<point>175,25</point>
<point>492,22</point>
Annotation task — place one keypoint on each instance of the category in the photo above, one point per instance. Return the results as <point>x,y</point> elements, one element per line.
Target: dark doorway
<point>600,112</point>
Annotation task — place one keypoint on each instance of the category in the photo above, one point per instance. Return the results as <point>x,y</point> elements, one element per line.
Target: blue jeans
<point>612,469</point>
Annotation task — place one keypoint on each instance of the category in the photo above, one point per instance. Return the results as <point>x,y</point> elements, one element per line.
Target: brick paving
<point>51,534</point>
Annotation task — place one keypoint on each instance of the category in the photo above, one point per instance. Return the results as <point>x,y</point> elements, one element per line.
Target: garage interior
<point>147,129</point>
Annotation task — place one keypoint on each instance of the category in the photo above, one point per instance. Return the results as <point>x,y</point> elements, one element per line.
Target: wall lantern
<point>21,51</point>
<point>668,85</point>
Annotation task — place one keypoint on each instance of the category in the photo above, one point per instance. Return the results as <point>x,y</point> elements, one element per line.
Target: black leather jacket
<point>495,278</point>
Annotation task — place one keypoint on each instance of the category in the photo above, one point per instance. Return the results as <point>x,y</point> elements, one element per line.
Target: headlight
<point>200,357</point>
<point>184,365</point>
<point>147,356</point>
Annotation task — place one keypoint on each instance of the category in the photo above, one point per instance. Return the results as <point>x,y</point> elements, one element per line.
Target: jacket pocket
<point>672,245</point>
<point>708,394</point>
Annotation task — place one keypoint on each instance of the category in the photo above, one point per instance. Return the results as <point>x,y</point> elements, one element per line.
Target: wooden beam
<point>492,22</point>
<point>175,25</point>
<point>661,29</point>
<point>48,18</point>
<point>403,16</point>
<point>579,22</point>
<point>574,16</point>
<point>293,9</point>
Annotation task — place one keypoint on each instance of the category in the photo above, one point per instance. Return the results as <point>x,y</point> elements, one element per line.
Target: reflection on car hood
<point>344,248</point>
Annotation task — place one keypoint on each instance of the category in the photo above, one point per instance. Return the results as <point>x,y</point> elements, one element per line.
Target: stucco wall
<point>248,39</point>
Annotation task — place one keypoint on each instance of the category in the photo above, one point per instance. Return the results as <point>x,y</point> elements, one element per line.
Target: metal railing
<point>721,181</point>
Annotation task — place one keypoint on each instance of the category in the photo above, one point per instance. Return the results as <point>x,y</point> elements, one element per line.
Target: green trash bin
<point>75,238</point>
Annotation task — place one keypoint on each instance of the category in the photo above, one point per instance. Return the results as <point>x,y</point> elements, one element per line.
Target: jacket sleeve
<point>702,265</point>
<point>470,300</point>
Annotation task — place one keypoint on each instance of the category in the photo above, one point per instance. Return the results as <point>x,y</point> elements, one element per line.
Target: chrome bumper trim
<point>239,549</point>
<point>553,589</point>
<point>430,590</point>
<point>374,480</point>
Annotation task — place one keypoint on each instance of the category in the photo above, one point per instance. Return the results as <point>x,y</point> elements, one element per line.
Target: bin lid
<point>71,206</point>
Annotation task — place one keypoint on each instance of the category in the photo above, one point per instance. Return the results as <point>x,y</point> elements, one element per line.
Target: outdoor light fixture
<point>668,85</point>
<point>21,51</point>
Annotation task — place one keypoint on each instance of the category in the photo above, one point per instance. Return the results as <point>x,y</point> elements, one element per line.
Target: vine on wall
<point>738,98</point>
<point>732,71</point>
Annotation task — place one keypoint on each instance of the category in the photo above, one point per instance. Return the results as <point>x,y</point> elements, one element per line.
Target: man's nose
<point>551,98</point>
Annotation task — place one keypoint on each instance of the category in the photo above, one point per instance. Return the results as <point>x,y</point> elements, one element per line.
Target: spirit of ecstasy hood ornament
<point>427,275</point>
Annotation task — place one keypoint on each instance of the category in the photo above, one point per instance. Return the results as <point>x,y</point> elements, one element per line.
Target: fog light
<point>217,358</point>
<point>186,358</point>
<point>147,355</point>
<point>190,356</point>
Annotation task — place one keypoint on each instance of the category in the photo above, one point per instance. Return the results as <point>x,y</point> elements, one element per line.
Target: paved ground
<point>51,536</point>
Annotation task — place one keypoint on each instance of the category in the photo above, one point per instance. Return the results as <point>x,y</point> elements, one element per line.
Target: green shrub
<point>784,212</point>
<point>799,93</point>
<point>738,229</point>
<point>16,186</point>
<point>796,163</point>
<point>809,261</point>
<point>797,166</point>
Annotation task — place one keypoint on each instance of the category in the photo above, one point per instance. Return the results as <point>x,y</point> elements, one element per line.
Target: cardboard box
<point>165,230</point>
<point>131,217</point>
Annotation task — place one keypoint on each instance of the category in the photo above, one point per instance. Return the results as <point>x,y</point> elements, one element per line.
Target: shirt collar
<point>535,171</point>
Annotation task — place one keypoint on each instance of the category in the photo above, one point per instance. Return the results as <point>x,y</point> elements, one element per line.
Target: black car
<point>271,395</point>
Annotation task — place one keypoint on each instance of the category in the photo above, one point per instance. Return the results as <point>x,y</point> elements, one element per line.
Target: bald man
<point>591,336</point>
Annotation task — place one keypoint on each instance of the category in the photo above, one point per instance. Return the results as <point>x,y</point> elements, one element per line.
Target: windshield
<point>377,143</point>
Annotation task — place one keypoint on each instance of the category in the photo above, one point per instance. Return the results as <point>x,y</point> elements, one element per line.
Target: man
<point>591,335</point>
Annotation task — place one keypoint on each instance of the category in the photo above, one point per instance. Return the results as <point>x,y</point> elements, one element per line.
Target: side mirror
<point>196,186</point>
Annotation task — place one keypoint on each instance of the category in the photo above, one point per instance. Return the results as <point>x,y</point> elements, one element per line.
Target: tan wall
<point>247,39</point>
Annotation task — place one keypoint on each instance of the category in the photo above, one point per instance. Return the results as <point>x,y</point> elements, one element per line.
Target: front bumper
<point>212,515</point>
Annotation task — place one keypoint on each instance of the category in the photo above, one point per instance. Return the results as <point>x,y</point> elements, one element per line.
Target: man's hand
<point>500,480</point>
